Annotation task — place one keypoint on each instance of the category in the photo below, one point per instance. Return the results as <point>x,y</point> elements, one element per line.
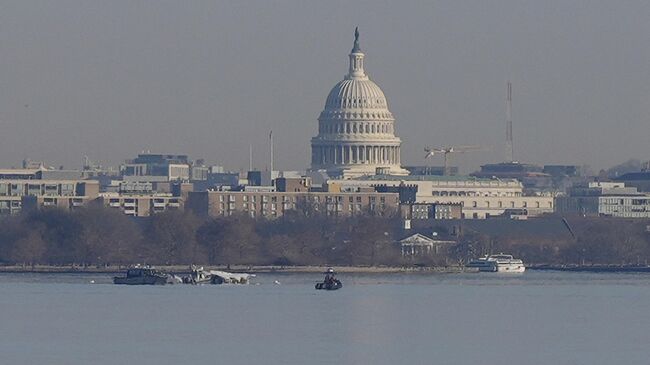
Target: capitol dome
<point>354,93</point>
<point>356,130</point>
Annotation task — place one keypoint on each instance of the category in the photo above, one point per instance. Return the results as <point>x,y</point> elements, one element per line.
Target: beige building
<point>16,194</point>
<point>141,205</point>
<point>272,204</point>
<point>479,198</point>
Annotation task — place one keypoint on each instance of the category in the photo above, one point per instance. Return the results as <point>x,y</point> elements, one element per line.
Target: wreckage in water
<point>201,276</point>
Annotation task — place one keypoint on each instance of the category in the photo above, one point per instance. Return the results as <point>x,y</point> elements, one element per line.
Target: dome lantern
<point>356,60</point>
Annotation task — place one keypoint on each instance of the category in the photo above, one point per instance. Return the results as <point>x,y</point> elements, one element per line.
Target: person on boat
<point>329,276</point>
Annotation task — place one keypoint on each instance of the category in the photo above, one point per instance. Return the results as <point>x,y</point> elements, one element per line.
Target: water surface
<point>533,318</point>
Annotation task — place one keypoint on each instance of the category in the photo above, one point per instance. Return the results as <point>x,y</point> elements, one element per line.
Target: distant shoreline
<point>591,268</point>
<point>184,269</point>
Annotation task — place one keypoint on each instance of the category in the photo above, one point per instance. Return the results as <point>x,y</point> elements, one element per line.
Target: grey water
<point>532,318</point>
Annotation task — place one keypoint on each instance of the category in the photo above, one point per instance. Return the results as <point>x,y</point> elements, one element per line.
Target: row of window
<point>283,198</point>
<point>356,128</point>
<point>470,193</point>
<point>37,189</point>
<point>287,206</point>
<point>619,201</point>
<point>358,103</point>
<point>500,204</point>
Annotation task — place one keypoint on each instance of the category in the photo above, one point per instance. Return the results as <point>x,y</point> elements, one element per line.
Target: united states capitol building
<point>356,131</point>
<point>356,147</point>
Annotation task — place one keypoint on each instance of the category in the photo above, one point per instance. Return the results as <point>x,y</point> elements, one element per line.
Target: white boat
<point>498,263</point>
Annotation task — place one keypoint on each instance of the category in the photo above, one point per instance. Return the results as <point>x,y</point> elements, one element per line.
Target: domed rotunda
<point>356,131</point>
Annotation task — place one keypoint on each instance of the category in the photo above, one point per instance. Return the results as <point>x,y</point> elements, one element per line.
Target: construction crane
<point>446,151</point>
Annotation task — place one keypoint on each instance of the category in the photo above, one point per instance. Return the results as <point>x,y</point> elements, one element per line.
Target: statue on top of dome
<point>356,47</point>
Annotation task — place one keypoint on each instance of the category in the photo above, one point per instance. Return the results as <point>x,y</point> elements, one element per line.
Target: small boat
<point>197,276</point>
<point>330,282</point>
<point>143,276</point>
<point>498,263</point>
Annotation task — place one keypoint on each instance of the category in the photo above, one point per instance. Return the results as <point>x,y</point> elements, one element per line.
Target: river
<point>532,318</point>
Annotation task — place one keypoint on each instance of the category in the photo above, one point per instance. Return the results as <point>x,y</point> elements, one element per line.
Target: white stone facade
<point>356,131</point>
<point>479,198</point>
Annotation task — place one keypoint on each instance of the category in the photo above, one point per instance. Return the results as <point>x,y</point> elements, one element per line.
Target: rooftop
<point>430,178</point>
<point>642,175</point>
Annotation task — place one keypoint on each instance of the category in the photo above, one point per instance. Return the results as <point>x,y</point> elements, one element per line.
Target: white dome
<point>356,94</point>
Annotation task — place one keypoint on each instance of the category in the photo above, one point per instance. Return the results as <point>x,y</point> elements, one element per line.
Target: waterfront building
<point>356,131</point>
<point>479,197</point>
<point>418,244</point>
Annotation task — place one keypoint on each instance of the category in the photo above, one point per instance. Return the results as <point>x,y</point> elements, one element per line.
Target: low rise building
<point>141,205</point>
<point>147,165</point>
<point>612,199</point>
<point>432,211</point>
<point>16,194</point>
<point>639,180</point>
<point>272,204</point>
<point>420,245</point>
<point>479,197</point>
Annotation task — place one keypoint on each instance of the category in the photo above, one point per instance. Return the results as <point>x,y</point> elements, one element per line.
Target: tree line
<point>97,235</point>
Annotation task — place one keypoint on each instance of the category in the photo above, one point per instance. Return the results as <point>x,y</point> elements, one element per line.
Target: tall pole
<point>445,172</point>
<point>250,157</point>
<point>271,151</point>
<point>509,146</point>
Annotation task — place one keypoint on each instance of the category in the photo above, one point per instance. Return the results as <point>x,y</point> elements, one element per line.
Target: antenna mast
<point>250,157</point>
<point>509,147</point>
<point>271,150</point>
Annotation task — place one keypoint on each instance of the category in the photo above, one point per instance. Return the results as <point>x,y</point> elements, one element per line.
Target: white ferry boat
<point>498,263</point>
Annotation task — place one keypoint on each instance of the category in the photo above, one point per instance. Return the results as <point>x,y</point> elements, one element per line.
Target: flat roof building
<point>68,194</point>
<point>479,197</point>
<point>273,204</point>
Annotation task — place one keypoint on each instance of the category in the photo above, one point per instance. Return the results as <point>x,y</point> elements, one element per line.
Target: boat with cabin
<point>143,276</point>
<point>498,263</point>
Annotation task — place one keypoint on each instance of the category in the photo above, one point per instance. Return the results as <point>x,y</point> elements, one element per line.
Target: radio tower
<point>509,148</point>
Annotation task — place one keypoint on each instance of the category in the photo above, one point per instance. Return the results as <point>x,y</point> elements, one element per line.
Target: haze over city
<point>110,79</point>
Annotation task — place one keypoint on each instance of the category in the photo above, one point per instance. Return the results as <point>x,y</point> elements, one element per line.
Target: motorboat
<point>197,276</point>
<point>143,276</point>
<point>498,263</point>
<point>330,282</point>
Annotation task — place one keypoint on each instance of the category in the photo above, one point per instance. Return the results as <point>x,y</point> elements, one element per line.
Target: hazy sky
<point>206,78</point>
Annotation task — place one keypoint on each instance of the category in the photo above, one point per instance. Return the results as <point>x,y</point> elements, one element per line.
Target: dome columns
<point>365,154</point>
